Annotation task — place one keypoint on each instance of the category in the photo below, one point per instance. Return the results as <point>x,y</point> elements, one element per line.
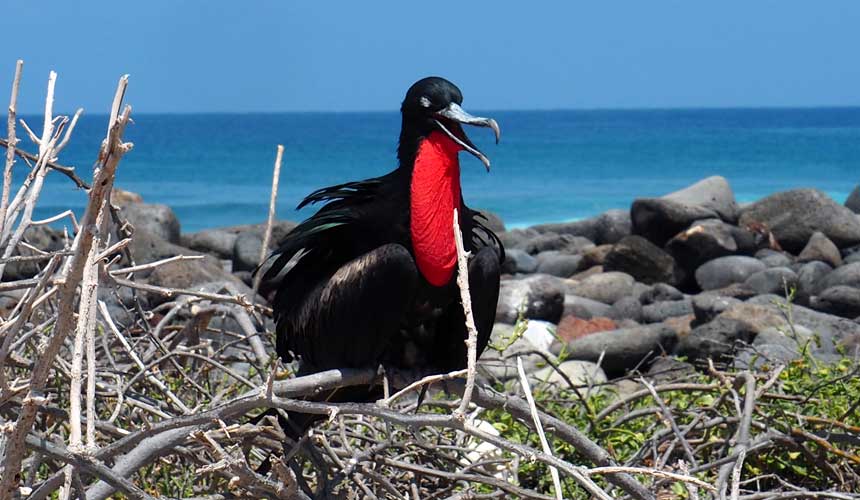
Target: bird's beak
<point>454,115</point>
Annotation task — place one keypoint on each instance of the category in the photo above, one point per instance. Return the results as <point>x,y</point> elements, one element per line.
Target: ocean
<point>215,169</point>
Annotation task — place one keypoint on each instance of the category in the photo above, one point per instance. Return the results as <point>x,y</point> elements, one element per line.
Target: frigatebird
<point>370,279</point>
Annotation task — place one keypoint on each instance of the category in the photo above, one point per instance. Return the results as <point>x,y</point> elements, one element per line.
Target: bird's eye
<point>425,102</point>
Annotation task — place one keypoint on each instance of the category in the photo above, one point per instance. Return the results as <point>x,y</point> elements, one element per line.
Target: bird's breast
<point>434,194</point>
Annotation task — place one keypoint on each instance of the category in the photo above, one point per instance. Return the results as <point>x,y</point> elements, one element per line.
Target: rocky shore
<point>691,274</point>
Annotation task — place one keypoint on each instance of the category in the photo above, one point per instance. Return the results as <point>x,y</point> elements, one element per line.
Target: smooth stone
<point>808,277</point>
<point>724,271</point>
<point>558,264</point>
<point>606,228</point>
<point>793,216</point>
<point>848,275</point>
<point>660,292</point>
<point>643,260</point>
<point>840,300</point>
<point>626,308</point>
<point>217,242</point>
<point>852,258</point>
<point>820,248</point>
<point>659,219</point>
<point>668,369</point>
<point>246,252</point>
<point>541,296</point>
<point>42,237</point>
<point>661,311</point>
<point>579,373</point>
<point>853,200</point>
<point>146,247</point>
<point>192,274</point>
<point>516,238</point>
<point>564,243</point>
<point>499,365</point>
<point>717,339</point>
<point>518,261</point>
<point>606,287</point>
<point>707,306</point>
<point>624,349</point>
<point>778,280</point>
<point>595,256</point>
<point>773,258</point>
<point>572,327</point>
<point>540,334</point>
<point>156,219</point>
<point>584,308</point>
<point>706,240</point>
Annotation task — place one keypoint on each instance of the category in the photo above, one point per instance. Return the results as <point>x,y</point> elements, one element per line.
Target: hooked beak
<point>457,115</point>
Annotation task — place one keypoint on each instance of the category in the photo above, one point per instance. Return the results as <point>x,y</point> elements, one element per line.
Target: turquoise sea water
<point>215,169</point>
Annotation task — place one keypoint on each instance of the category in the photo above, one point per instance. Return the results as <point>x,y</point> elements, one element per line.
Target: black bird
<point>370,279</point>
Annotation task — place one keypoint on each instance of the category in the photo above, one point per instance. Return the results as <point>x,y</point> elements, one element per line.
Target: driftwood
<point>169,403</point>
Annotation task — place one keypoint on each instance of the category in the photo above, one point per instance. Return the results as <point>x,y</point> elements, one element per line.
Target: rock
<point>492,221</point>
<point>492,363</point>
<point>246,252</point>
<point>146,247</point>
<point>778,280</point>
<point>540,295</point>
<point>575,373</point>
<point>42,237</point>
<point>122,197</point>
<point>591,271</point>
<point>706,240</point>
<point>661,311</point>
<point>851,259</point>
<point>793,217</point>
<point>724,271</point>
<point>595,256</point>
<point>682,325</point>
<point>626,308</point>
<point>192,274</point>
<point>217,242</point>
<point>606,228</point>
<point>572,327</point>
<point>735,290</point>
<point>820,248</point>
<point>773,258</point>
<point>773,345</point>
<point>154,219</point>
<point>564,243</point>
<point>540,334</point>
<point>716,339</point>
<point>840,300</point>
<point>660,292</point>
<point>584,308</point>
<point>707,306</point>
<point>853,200</point>
<point>623,349</point>
<point>557,264</point>
<point>659,219</point>
<point>643,260</point>
<point>848,275</point>
<point>518,261</point>
<point>666,369</point>
<point>516,238</point>
<point>808,277</point>
<point>605,287</point>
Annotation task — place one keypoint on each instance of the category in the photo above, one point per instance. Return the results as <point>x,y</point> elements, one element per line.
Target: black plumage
<point>347,289</point>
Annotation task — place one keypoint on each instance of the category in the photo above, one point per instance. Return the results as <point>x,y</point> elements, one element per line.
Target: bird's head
<point>433,104</point>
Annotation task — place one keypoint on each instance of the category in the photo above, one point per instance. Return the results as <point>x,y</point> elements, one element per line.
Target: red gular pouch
<point>435,193</point>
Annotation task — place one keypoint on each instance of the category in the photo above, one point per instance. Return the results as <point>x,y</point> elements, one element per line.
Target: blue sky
<point>218,55</point>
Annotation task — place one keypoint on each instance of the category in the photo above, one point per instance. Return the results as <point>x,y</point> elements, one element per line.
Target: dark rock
<point>192,274</point>
<point>153,219</point>
<point>774,346</point>
<point>660,292</point>
<point>848,275</point>
<point>626,308</point>
<point>773,258</point>
<point>735,290</point>
<point>793,216</point>
<point>724,271</point>
<point>659,219</point>
<point>516,238</point>
<point>146,247</point>
<point>42,237</point>
<point>707,306</point>
<point>246,252</point>
<point>852,258</point>
<point>667,369</point>
<point>778,280</point>
<point>217,242</point>
<point>643,260</point>
<point>608,227</point>
<point>595,256</point>
<point>820,248</point>
<point>571,327</point>
<point>661,311</point>
<point>558,264</point>
<point>605,287</point>
<point>716,339</point>
<point>840,300</point>
<point>706,240</point>
<point>247,277</point>
<point>623,349</point>
<point>808,277</point>
<point>564,243</point>
<point>853,200</point>
<point>518,261</point>
<point>539,295</point>
<point>584,308</point>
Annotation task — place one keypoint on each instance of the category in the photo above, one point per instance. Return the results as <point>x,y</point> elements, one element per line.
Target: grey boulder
<point>518,261</point>
<point>584,308</point>
<point>820,248</point>
<point>604,287</point>
<point>778,280</point>
<point>539,296</point>
<point>853,200</point>
<point>558,264</point>
<point>724,271</point>
<point>155,219</point>
<point>643,260</point>
<point>623,349</point>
